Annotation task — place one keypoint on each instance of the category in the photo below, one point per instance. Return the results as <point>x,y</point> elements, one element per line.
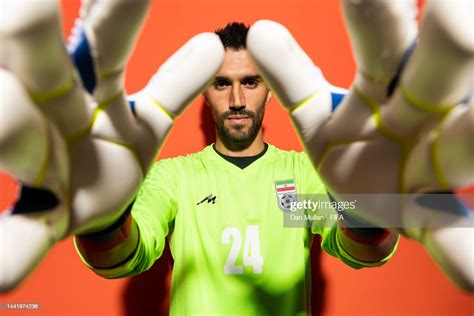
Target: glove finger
<point>443,160</point>
<point>380,33</point>
<point>296,81</point>
<point>101,43</point>
<point>288,70</point>
<point>32,45</point>
<point>22,123</point>
<point>453,149</point>
<point>438,75</point>
<point>27,141</point>
<point>443,222</point>
<point>451,248</point>
<point>178,81</point>
<point>23,243</point>
<point>33,50</point>
<point>183,76</point>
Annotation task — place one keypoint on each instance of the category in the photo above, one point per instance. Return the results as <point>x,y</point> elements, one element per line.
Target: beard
<point>239,136</point>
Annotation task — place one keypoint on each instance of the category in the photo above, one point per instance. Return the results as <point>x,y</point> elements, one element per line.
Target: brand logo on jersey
<point>286,193</point>
<point>210,198</point>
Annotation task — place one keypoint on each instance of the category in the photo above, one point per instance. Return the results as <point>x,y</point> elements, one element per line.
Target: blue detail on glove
<point>336,99</point>
<point>406,56</point>
<point>132,106</point>
<point>446,202</point>
<point>83,60</point>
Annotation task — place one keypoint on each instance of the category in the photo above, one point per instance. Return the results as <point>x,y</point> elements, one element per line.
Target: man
<point>218,209</point>
<point>77,153</point>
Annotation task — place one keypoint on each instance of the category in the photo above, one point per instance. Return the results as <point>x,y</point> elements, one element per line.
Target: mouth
<point>238,118</point>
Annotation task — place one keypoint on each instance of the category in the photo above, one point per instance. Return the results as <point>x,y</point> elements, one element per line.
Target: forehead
<point>237,64</point>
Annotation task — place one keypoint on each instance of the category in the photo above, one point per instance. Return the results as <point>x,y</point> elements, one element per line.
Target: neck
<point>240,149</point>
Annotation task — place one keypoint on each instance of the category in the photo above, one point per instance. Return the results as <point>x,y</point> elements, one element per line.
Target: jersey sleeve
<point>154,211</point>
<point>329,238</point>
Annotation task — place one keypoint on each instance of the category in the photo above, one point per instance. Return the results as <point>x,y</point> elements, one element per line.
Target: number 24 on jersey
<point>251,255</point>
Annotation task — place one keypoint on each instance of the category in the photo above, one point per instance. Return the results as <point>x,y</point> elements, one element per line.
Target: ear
<point>269,96</point>
<point>204,96</point>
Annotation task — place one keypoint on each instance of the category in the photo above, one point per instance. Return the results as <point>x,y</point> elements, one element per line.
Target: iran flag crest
<point>286,193</point>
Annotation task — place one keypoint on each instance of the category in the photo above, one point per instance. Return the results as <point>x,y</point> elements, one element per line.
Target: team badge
<point>286,193</point>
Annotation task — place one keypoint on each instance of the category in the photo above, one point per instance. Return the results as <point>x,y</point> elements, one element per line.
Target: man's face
<point>237,98</point>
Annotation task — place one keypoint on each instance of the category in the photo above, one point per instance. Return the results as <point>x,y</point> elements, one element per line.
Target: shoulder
<point>179,162</point>
<point>295,157</point>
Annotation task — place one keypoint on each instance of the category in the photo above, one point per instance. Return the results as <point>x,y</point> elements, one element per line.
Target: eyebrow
<point>251,77</point>
<point>254,77</point>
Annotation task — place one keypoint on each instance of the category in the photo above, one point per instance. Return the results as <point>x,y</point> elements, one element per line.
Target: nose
<point>237,98</point>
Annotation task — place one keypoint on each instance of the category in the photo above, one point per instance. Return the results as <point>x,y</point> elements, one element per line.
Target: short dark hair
<point>233,35</point>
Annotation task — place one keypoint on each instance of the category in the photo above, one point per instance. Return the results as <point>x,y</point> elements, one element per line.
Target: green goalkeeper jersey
<point>232,253</point>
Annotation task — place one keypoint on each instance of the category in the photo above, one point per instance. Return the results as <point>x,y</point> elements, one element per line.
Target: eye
<point>221,84</point>
<point>250,83</point>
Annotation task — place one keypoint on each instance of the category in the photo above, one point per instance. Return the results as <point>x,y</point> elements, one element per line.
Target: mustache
<point>242,112</point>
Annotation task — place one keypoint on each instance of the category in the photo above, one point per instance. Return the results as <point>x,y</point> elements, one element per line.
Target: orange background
<point>409,285</point>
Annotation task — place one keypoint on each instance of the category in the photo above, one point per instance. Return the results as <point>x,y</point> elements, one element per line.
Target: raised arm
<point>84,150</point>
<point>404,129</point>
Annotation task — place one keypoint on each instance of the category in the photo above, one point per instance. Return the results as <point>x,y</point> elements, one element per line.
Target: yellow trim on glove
<point>110,73</point>
<point>438,109</point>
<point>302,103</point>
<point>405,144</point>
<point>42,97</point>
<point>100,108</point>
<point>163,109</point>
